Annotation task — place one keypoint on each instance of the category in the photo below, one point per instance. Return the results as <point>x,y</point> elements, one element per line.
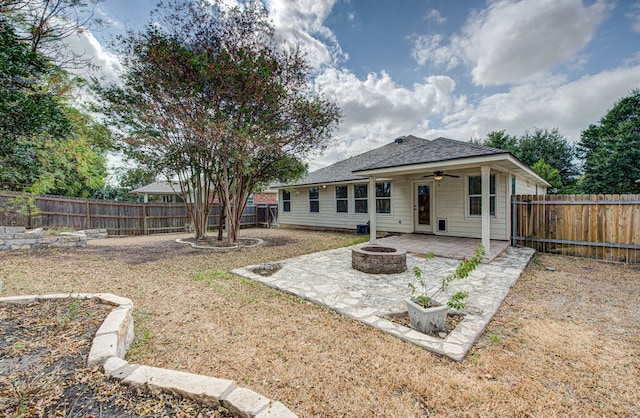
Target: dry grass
<point>565,343</point>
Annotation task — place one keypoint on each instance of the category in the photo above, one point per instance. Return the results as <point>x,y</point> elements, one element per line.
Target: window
<point>360,198</point>
<point>250,200</point>
<point>383,197</point>
<point>314,199</point>
<point>286,201</point>
<point>475,195</point>
<point>342,202</point>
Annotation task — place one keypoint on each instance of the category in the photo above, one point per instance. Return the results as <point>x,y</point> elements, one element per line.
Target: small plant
<point>72,312</point>
<point>420,293</point>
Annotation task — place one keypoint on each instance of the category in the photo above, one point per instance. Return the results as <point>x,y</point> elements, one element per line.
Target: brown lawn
<point>565,343</point>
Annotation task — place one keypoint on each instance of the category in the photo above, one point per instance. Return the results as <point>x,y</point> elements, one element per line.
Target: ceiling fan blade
<point>452,175</point>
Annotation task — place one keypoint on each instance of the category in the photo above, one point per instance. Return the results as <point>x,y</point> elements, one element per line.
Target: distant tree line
<point>606,160</point>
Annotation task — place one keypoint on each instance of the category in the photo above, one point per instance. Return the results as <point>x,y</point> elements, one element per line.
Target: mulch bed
<point>43,372</point>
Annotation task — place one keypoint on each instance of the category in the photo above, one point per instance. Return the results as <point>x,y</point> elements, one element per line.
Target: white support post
<point>486,210</point>
<point>371,194</point>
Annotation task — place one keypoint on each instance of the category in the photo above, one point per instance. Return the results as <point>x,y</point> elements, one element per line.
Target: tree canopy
<point>611,149</point>
<point>547,150</point>
<point>209,96</point>
<point>46,145</point>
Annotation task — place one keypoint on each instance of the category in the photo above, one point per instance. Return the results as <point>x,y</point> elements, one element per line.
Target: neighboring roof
<point>402,151</point>
<point>159,187</point>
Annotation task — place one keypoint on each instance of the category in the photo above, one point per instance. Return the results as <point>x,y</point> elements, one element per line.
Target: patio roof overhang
<point>505,163</point>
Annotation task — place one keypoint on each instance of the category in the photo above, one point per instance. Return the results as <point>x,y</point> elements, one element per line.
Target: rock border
<point>115,335</point>
<point>233,247</point>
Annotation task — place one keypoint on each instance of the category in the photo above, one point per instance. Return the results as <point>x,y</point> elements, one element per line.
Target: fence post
<point>144,218</point>
<point>87,223</point>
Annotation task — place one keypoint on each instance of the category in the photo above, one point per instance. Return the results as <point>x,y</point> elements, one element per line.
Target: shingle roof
<point>437,150</point>
<point>159,187</point>
<point>406,150</point>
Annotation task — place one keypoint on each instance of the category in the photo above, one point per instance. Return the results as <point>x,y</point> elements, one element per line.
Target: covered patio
<point>441,246</point>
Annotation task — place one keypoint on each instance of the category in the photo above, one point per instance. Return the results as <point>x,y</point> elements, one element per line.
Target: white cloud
<point>106,64</point>
<point>634,16</point>
<point>376,109</point>
<point>429,49</point>
<point>301,23</point>
<point>515,41</point>
<point>435,16</point>
<point>555,103</point>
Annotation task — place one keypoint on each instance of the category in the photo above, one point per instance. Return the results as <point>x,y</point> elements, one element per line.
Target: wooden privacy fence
<point>596,226</point>
<point>120,218</point>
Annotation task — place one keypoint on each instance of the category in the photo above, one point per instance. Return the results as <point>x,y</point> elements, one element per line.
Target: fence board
<point>597,226</point>
<point>118,218</point>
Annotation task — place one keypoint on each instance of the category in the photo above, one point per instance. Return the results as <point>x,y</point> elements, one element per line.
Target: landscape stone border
<point>18,238</point>
<point>232,247</point>
<point>115,335</point>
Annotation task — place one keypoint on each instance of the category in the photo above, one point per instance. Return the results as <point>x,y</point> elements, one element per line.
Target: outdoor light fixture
<point>438,177</point>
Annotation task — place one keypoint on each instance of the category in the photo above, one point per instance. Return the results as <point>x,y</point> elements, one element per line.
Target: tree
<point>611,149</point>
<point>46,146</point>
<point>550,146</point>
<point>211,96</point>
<point>29,110</point>
<point>45,25</point>
<point>550,174</point>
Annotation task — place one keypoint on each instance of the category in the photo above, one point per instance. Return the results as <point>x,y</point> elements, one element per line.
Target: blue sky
<point>447,68</point>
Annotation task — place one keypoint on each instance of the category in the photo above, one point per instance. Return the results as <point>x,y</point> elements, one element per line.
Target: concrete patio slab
<point>326,278</point>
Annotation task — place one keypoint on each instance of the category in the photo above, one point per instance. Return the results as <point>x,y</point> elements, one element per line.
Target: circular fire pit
<point>378,259</point>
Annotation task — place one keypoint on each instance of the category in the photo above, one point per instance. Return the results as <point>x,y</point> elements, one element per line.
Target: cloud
<point>377,109</point>
<point>429,49</point>
<point>634,16</point>
<point>512,42</point>
<point>554,103</point>
<point>301,23</point>
<point>434,15</point>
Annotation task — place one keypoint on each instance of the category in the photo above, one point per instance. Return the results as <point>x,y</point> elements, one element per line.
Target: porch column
<point>371,198</point>
<point>486,209</point>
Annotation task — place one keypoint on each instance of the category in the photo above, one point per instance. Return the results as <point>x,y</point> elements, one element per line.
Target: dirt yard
<point>565,343</point>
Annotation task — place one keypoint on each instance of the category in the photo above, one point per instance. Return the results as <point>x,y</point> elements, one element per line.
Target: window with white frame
<point>475,195</point>
<point>361,204</point>
<point>342,199</point>
<point>286,201</point>
<point>383,197</point>
<point>314,199</point>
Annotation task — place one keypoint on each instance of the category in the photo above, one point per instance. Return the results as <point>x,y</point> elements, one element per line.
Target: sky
<point>432,68</point>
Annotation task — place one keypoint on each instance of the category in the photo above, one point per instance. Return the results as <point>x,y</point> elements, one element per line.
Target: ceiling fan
<point>439,175</point>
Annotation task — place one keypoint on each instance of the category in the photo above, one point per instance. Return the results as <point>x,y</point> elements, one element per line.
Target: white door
<point>423,207</point>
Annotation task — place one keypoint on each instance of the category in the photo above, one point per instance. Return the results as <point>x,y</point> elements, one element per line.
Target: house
<point>169,192</point>
<point>413,185</point>
<point>165,192</point>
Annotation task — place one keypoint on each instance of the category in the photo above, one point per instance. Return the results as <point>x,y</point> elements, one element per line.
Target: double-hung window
<point>475,195</point>
<point>286,201</point>
<point>383,197</point>
<point>342,199</point>
<point>314,199</point>
<point>360,198</point>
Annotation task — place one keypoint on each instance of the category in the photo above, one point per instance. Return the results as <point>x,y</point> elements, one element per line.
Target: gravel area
<point>564,343</point>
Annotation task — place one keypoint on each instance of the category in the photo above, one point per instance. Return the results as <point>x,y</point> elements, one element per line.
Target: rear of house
<point>413,185</point>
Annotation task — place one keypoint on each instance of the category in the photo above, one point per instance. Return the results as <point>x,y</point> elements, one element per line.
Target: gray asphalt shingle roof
<point>406,150</point>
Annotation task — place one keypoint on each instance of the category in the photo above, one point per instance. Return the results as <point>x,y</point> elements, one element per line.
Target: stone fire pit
<point>378,259</point>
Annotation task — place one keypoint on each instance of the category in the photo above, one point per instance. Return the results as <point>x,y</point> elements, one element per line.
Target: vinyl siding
<point>450,201</point>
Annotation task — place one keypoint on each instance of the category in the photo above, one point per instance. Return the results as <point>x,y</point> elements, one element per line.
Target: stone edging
<point>204,247</point>
<point>112,341</point>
